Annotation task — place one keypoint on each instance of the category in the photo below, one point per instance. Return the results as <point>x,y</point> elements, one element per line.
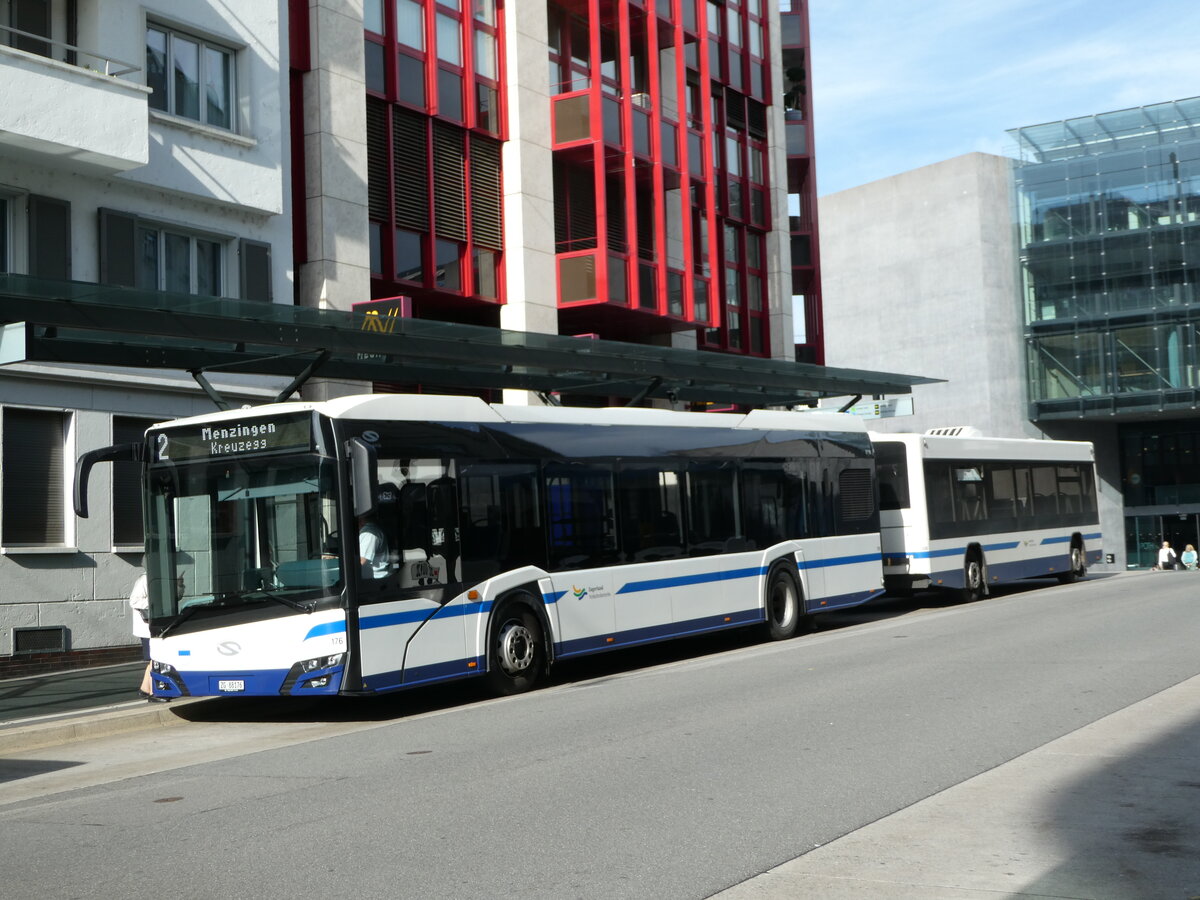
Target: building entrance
<point>1145,534</point>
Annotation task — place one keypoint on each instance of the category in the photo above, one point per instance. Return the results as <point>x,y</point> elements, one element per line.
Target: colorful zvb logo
<point>579,593</point>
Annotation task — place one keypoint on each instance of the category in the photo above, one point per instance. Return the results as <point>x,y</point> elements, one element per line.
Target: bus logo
<point>579,593</point>
<point>229,648</point>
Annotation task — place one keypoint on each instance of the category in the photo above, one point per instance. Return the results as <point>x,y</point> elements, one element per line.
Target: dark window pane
<point>376,71</point>
<point>449,265</point>
<point>187,77</point>
<point>450,102</point>
<point>156,67</point>
<point>408,256</point>
<point>410,80</point>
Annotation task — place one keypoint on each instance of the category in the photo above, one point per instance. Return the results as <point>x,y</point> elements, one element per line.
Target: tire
<point>782,604</point>
<point>516,649</point>
<point>1078,565</point>
<point>974,582</point>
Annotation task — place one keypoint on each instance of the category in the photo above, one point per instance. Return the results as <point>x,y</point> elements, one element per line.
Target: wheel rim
<point>1076,560</point>
<point>515,648</point>
<point>783,603</point>
<point>974,575</point>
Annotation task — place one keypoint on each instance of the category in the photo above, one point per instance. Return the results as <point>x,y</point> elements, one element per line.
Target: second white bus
<point>966,512</point>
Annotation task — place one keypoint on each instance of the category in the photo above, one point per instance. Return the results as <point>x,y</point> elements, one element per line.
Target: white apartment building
<point>142,146</point>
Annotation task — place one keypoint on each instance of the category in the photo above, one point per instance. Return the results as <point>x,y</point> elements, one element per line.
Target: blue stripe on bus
<point>838,561</point>
<point>553,597</point>
<point>654,584</point>
<point>327,628</point>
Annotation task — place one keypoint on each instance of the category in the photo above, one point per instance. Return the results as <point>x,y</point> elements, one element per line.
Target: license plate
<point>231,686</point>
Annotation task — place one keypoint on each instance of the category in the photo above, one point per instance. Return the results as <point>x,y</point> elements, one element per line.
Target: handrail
<point>108,61</point>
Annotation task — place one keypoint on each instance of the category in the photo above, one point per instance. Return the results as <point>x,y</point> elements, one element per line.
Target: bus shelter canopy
<point>81,323</point>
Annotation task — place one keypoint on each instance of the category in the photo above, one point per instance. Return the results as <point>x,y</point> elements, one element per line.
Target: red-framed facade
<point>661,167</point>
<point>436,119</point>
<point>802,180</point>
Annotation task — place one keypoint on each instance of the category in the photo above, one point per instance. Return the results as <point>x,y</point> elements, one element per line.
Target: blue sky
<point>899,84</point>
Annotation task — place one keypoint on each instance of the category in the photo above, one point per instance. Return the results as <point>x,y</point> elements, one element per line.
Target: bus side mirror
<point>364,485</point>
<point>83,469</point>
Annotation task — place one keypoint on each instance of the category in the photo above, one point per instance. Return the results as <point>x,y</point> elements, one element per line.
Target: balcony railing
<point>108,65</point>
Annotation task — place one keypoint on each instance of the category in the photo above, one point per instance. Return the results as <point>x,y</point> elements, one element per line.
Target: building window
<point>34,486</point>
<point>136,252</point>
<point>191,77</point>
<point>127,484</point>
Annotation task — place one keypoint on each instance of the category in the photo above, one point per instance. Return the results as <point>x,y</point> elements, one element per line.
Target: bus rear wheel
<point>516,650</point>
<point>974,586</point>
<point>783,604</point>
<point>1078,566</point>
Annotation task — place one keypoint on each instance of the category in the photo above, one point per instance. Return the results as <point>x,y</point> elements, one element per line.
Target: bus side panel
<point>839,572</point>
<point>253,659</point>
<point>384,630</point>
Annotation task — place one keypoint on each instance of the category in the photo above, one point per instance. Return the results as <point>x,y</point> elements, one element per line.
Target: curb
<point>23,738</point>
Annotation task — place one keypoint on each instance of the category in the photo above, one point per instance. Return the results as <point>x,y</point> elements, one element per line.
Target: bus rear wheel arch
<point>517,658</point>
<point>783,601</point>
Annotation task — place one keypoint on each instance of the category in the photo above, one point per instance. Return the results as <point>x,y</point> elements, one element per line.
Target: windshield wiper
<point>183,616</point>
<point>285,601</point>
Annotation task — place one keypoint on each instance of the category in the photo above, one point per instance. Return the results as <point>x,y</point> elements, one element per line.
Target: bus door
<point>581,511</point>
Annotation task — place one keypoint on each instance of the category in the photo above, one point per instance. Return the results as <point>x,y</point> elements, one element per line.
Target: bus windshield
<point>241,531</point>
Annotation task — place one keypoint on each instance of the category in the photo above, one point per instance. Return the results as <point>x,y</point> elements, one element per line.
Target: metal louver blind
<point>449,187</point>
<point>486,229</point>
<point>378,203</point>
<point>410,162</point>
<point>33,477</point>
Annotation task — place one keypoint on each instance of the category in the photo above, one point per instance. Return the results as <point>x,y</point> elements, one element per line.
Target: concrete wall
<point>920,276</point>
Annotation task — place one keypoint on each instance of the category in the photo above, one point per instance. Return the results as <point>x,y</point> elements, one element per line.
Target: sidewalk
<point>43,710</point>
<point>1109,811</point>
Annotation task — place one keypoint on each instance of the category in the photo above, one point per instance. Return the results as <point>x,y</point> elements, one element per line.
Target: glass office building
<point>1108,211</point>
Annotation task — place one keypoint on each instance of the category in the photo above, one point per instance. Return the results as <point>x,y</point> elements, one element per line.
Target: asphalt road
<point>675,780</point>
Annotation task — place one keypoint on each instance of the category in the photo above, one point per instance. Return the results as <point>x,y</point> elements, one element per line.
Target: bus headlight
<point>322,662</point>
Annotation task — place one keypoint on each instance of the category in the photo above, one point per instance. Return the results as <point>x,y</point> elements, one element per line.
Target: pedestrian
<point>1188,558</point>
<point>139,602</point>
<point>1166,556</point>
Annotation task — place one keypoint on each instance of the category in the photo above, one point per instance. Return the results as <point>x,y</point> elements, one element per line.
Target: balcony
<point>76,116</point>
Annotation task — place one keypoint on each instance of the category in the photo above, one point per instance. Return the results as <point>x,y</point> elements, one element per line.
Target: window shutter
<point>127,483</point>
<point>449,190</point>
<point>255,279</point>
<point>118,248</point>
<point>378,202</point>
<point>410,163</point>
<point>49,238</point>
<point>33,477</point>
<point>486,201</point>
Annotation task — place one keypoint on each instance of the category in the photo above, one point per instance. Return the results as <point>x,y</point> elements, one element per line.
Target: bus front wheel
<point>516,650</point>
<point>974,586</point>
<point>783,604</point>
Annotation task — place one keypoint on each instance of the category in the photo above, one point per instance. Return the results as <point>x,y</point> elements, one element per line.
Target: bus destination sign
<point>234,438</point>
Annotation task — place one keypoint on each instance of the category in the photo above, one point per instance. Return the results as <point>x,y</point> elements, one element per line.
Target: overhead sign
<point>883,409</point>
<point>233,438</point>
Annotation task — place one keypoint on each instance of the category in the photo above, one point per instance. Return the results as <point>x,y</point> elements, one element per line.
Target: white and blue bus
<point>962,511</point>
<point>374,543</point>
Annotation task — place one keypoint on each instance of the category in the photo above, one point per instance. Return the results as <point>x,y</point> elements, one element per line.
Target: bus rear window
<point>891,467</point>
